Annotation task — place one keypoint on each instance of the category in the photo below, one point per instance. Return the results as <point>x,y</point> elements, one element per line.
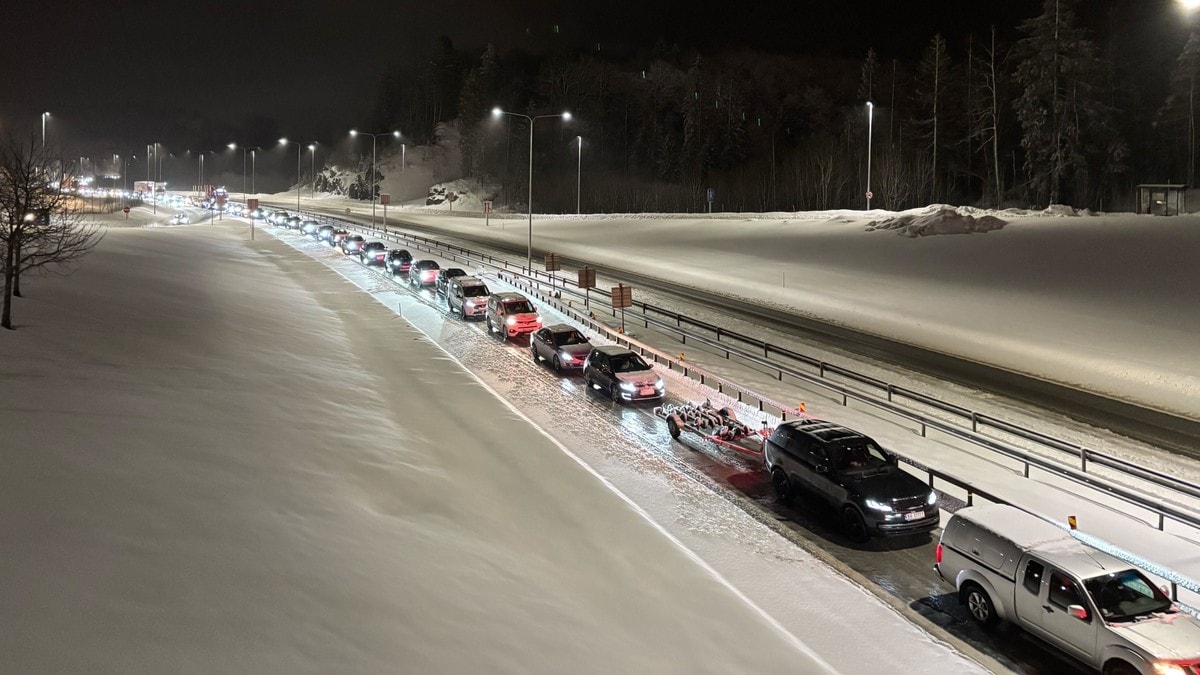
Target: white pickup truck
<point>1007,564</point>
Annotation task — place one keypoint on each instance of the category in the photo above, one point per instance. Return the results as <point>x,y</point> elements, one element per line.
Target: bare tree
<point>41,226</point>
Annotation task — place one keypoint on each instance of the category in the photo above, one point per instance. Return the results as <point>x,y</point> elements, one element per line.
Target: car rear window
<point>475,290</point>
<point>627,363</point>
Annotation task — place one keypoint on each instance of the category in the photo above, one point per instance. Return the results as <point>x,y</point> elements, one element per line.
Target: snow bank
<point>940,219</point>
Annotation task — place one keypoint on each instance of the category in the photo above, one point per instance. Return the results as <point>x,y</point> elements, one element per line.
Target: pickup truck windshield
<point>1125,595</point>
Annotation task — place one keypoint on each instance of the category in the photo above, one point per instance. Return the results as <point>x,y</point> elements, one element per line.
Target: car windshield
<point>475,291</point>
<point>453,272</point>
<point>858,455</point>
<point>627,363</point>
<point>1125,595</point>
<point>518,307</point>
<point>569,337</point>
<point>427,265</point>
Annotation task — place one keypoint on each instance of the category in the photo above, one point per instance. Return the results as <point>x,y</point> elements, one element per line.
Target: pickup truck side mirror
<point>1078,612</point>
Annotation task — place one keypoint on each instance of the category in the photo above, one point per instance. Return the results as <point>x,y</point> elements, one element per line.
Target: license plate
<point>914,515</point>
<point>647,391</point>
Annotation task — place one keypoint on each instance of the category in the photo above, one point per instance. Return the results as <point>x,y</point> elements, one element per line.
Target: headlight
<point>878,506</point>
<point>1168,668</point>
<point>512,320</point>
<point>628,386</point>
<point>932,498</point>
<point>659,384</point>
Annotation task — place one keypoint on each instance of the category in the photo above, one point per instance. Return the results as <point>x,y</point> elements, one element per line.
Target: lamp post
<point>235,146</point>
<point>44,116</point>
<point>870,128</point>
<point>374,171</point>
<point>312,170</point>
<point>299,147</point>
<point>579,177</point>
<point>497,112</point>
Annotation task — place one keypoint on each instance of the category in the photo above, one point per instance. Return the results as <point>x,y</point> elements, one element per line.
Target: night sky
<point>116,76</point>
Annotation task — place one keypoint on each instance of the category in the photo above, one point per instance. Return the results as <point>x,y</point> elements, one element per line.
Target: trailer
<point>719,426</point>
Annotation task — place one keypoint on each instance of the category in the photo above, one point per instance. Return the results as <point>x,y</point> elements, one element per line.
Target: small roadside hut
<point>1161,199</point>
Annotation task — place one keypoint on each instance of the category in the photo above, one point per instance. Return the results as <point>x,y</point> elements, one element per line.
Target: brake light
<point>938,553</point>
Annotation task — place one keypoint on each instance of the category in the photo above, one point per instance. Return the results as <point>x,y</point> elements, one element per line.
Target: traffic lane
<point>900,567</point>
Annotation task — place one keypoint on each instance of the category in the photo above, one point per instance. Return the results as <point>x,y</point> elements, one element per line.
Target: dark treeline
<point>976,120</point>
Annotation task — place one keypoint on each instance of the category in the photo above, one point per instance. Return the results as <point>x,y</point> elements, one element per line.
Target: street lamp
<point>497,112</point>
<point>44,116</point>
<point>299,147</point>
<point>579,176</point>
<point>235,146</point>
<point>374,171</point>
<point>312,170</point>
<point>870,128</point>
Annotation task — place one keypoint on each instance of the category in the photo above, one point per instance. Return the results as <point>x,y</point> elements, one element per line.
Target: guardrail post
<point>1083,459</point>
<point>781,375</point>
<point>1027,469</point>
<point>974,421</point>
<point>1161,521</point>
<point>821,372</point>
<point>889,391</point>
<point>922,430</point>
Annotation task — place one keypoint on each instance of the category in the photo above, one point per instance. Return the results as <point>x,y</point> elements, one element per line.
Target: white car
<point>179,219</point>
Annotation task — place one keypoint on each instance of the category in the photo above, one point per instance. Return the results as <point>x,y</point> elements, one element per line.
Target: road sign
<point>252,204</point>
<point>452,196</point>
<point>487,206</point>
<point>870,194</point>
<point>587,278</point>
<point>712,193</point>
<point>552,262</point>
<point>385,198</point>
<point>126,209</point>
<point>622,296</point>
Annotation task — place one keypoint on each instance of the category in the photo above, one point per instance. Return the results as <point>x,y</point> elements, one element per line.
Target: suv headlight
<point>512,320</point>
<point>659,384</point>
<point>878,506</point>
<point>628,386</point>
<point>931,499</point>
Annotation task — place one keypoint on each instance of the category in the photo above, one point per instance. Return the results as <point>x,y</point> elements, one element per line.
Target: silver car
<point>561,345</point>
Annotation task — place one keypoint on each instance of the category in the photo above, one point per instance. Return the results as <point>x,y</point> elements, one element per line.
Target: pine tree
<point>984,113</point>
<point>1179,108</point>
<point>1067,128</point>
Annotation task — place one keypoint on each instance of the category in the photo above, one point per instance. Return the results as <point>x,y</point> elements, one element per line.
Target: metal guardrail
<point>535,282</point>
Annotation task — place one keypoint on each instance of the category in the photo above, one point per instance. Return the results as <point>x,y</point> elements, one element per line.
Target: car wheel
<point>673,426</point>
<point>557,363</point>
<point>979,605</point>
<point>855,526</point>
<point>614,392</point>
<point>784,491</point>
<point>1119,668</point>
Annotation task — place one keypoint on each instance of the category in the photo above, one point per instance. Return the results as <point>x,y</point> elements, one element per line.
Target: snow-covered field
<point>219,456</point>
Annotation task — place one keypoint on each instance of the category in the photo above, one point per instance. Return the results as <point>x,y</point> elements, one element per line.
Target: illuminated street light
<point>374,171</point>
<point>566,116</point>
<point>235,146</point>
<point>579,177</point>
<point>44,116</point>
<point>299,148</point>
<point>312,170</point>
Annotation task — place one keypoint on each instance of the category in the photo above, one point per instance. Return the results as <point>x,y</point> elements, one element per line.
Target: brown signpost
<point>622,297</point>
<point>385,199</point>
<point>587,279</point>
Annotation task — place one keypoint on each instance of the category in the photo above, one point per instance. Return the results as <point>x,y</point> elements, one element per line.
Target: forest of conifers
<point>1027,122</point>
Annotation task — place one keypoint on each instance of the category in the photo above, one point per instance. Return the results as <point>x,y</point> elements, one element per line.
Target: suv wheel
<point>557,363</point>
<point>855,526</point>
<point>614,392</point>
<point>784,491</point>
<point>979,605</point>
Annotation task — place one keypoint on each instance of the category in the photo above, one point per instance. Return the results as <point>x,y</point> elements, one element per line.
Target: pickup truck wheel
<point>979,606</point>
<point>1119,668</point>
<point>784,491</point>
<point>856,528</point>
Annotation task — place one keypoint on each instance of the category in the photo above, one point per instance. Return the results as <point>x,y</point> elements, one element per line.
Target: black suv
<point>442,283</point>
<point>373,253</point>
<point>397,261</point>
<point>324,232</point>
<point>862,481</point>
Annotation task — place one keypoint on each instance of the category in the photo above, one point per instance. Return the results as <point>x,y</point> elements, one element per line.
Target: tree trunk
<point>6,313</point>
<point>14,265</point>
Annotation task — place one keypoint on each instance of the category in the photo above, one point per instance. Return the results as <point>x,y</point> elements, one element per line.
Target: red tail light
<point>938,553</point>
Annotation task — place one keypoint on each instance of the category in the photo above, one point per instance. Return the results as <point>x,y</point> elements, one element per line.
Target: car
<point>423,273</point>
<point>336,237</point>
<point>398,261</point>
<point>562,345</point>
<point>352,244</point>
<point>280,218</point>
<point>293,223</point>
<point>848,470</point>
<point>442,283</point>
<point>179,219</point>
<point>373,253</point>
<point>309,227</point>
<point>622,374</point>
<point>324,232</point>
<point>512,314</point>
<point>468,296</point>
